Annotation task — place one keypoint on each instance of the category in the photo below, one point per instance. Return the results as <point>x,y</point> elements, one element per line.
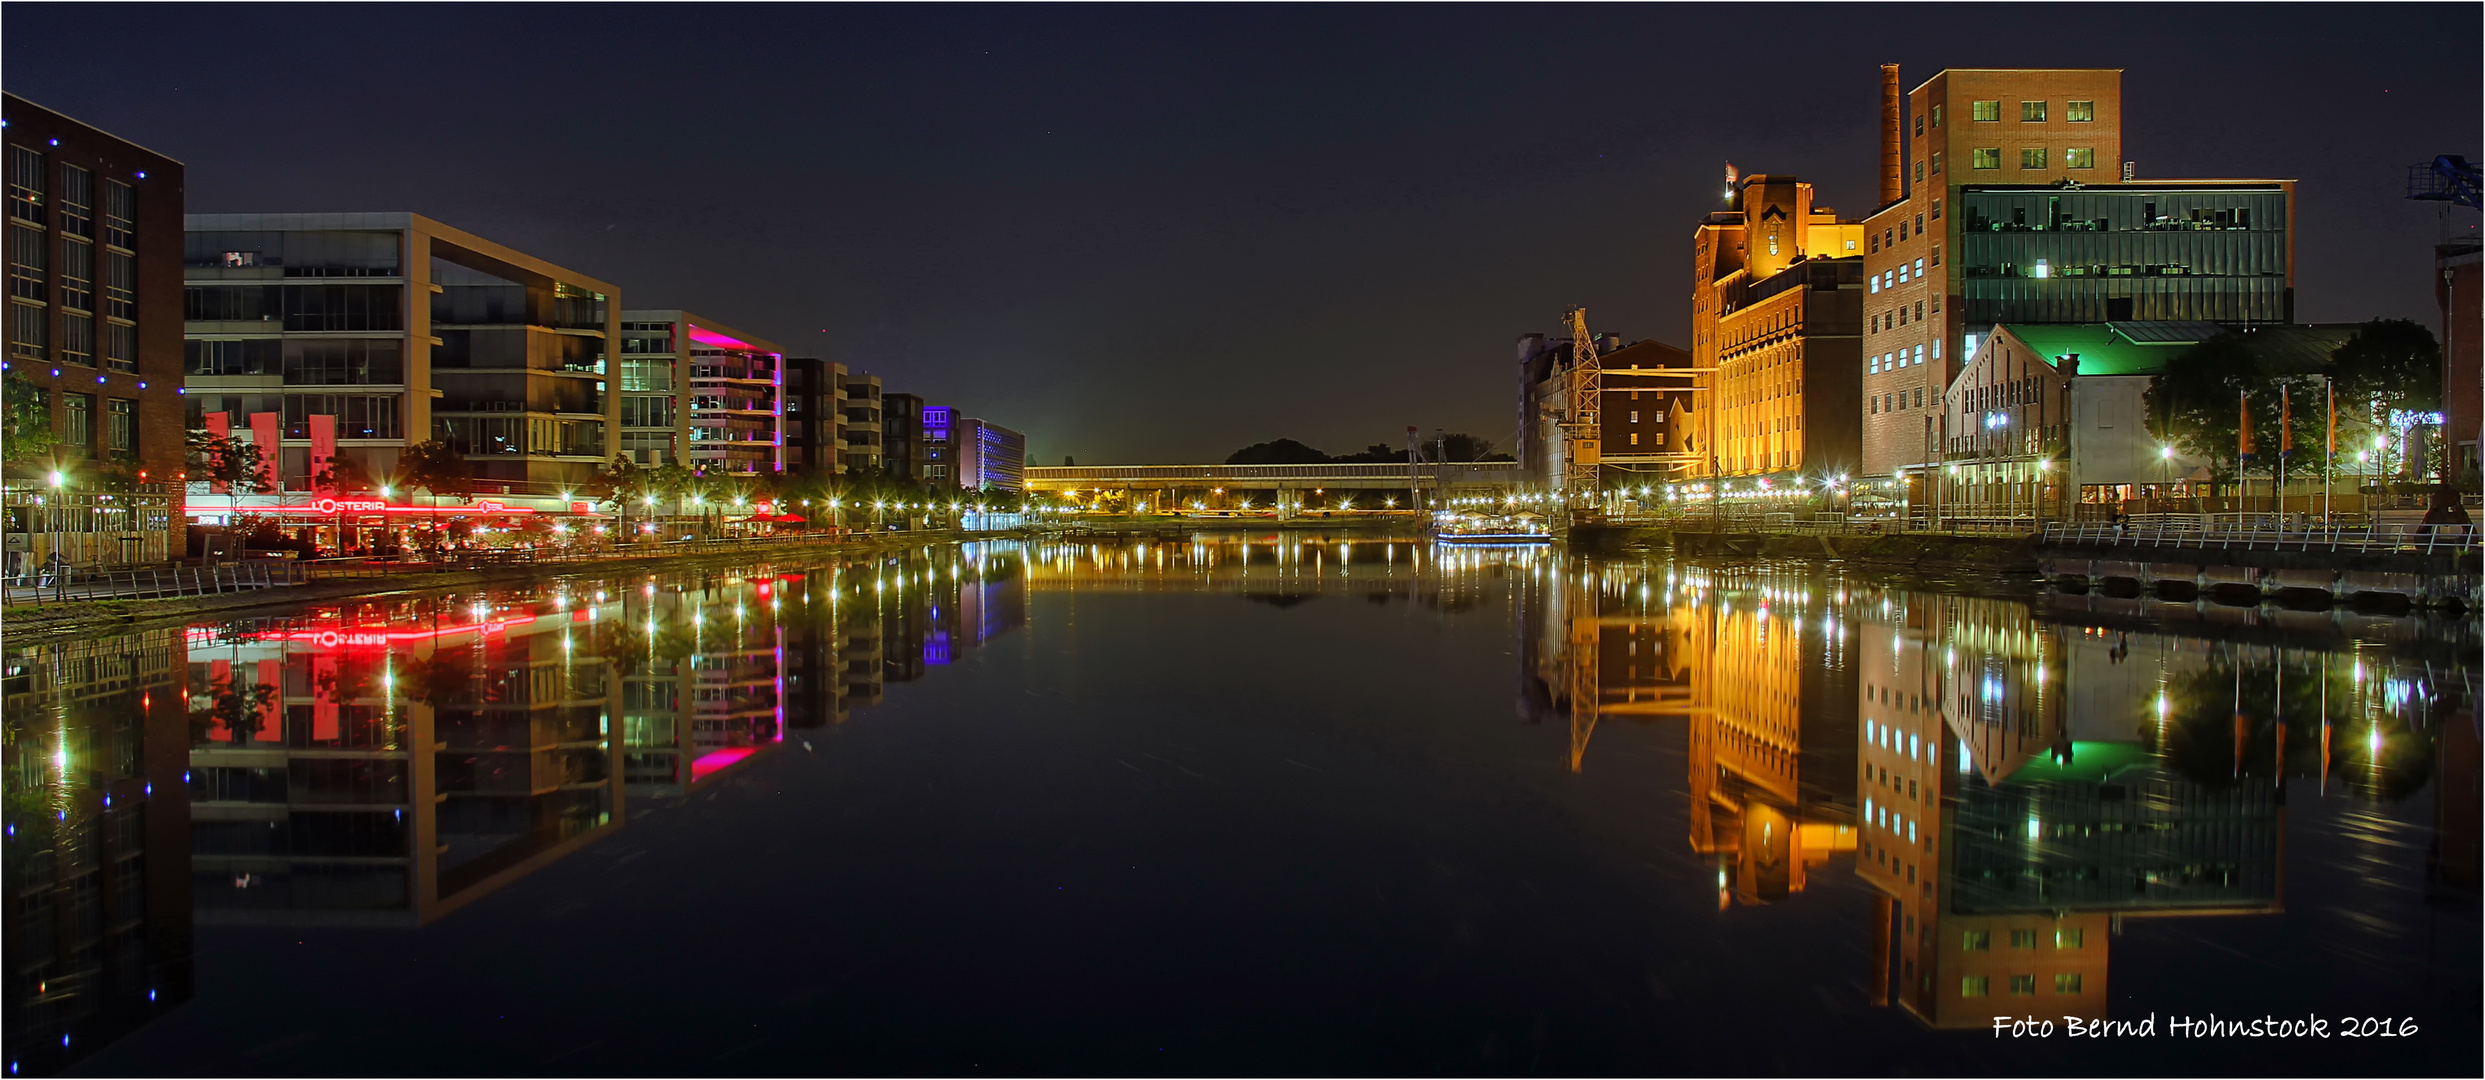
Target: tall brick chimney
<point>1893,180</point>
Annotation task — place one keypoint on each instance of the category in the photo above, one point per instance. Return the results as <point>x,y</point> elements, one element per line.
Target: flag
<point>2332,393</point>
<point>2243,434</point>
<point>2286,422</point>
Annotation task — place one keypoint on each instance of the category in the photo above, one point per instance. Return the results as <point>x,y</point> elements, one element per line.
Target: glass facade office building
<point>2122,253</point>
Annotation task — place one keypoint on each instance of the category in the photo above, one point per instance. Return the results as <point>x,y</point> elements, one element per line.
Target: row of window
<point>2020,985</point>
<point>29,199</point>
<point>30,339</point>
<point>332,362</point>
<point>1883,403</point>
<point>1897,317</point>
<point>29,268</point>
<point>78,427</point>
<point>1892,361</point>
<point>2030,112</point>
<point>1900,274</point>
<point>358,416</point>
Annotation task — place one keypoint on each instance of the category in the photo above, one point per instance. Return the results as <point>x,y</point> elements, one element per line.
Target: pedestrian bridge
<point>1348,476</point>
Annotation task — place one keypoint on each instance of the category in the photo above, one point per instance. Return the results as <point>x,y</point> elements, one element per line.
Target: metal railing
<point>2271,535</point>
<point>69,583</point>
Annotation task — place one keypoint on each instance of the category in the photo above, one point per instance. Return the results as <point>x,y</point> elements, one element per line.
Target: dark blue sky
<point>1151,233</point>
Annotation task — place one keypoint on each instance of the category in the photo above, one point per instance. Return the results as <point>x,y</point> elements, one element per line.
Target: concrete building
<point>93,331</point>
<point>940,461</point>
<point>988,456</point>
<point>326,338</point>
<point>1777,307</point>
<point>815,416</point>
<point>862,426</point>
<point>2005,200</point>
<point>905,447</point>
<point>732,383</point>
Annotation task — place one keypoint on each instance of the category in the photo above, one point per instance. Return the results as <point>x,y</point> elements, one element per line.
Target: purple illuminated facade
<point>700,393</point>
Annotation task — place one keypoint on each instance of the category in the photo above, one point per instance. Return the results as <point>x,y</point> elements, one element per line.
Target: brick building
<point>2005,199</point>
<point>94,333</point>
<point>1776,303</point>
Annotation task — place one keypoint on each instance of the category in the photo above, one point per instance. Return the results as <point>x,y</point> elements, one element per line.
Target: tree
<point>1277,452</point>
<point>2389,364</point>
<point>25,420</point>
<point>1460,446</point>
<point>1378,453</point>
<point>345,474</point>
<point>2196,405</point>
<point>436,467</point>
<point>239,708</point>
<point>229,461</point>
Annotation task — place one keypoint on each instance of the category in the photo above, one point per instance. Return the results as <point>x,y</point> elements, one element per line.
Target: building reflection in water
<point>2013,787</point>
<point>1760,680</point>
<point>97,853</point>
<point>385,763</point>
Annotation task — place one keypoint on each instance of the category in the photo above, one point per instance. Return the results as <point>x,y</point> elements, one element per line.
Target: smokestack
<point>1893,181</point>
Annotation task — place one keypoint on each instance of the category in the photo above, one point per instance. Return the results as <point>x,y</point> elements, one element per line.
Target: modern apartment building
<point>1777,311</point>
<point>815,416</point>
<point>93,332</point>
<point>862,426</point>
<point>905,445</point>
<point>940,450</point>
<point>2005,200</point>
<point>699,393</point>
<point>320,337</point>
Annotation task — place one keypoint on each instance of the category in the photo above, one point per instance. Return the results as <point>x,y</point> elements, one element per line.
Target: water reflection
<point>2023,783</point>
<point>1987,791</point>
<point>387,762</point>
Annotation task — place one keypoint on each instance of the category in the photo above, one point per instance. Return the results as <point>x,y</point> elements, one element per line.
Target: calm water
<point>1248,804</point>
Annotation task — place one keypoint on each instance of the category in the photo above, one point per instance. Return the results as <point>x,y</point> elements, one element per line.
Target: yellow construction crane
<point>1579,412</point>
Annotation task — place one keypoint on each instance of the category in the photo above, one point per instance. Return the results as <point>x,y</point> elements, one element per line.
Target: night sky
<point>1158,234</point>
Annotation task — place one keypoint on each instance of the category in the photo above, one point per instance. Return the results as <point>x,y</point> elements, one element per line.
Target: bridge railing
<point>2266,536</point>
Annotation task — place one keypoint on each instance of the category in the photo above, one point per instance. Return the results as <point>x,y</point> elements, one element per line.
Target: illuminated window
<point>1919,172</point>
<point>2023,939</point>
<point>1976,940</point>
<point>2031,157</point>
<point>1936,123</point>
<point>2070,937</point>
<point>2066,983</point>
<point>1985,157</point>
<point>1985,112</point>
<point>2079,112</point>
<point>79,430</point>
<point>26,185</point>
<point>2080,157</point>
<point>1937,163</point>
<point>2021,985</point>
<point>1975,986</point>
<point>2031,112</point>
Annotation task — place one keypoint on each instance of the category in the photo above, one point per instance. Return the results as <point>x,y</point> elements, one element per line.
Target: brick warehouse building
<point>2005,200</point>
<point>1776,303</point>
<point>94,331</point>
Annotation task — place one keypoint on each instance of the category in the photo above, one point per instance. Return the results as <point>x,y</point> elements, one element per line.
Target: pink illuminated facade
<point>701,394</point>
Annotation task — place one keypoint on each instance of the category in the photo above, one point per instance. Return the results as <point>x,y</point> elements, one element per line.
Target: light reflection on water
<point>1997,799</point>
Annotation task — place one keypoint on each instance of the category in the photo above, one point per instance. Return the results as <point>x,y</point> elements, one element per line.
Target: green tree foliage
<point>229,461</point>
<point>345,474</point>
<point>2196,405</point>
<point>26,432</point>
<point>2388,364</point>
<point>436,467</point>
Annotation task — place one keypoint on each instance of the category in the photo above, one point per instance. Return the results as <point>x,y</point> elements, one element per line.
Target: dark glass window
<point>248,356</point>
<point>120,346</point>
<point>77,201</point>
<point>121,426</point>
<point>26,185</point>
<point>78,420</point>
<point>26,262</point>
<point>29,338</point>
<point>77,275</point>
<point>345,362</point>
<point>77,340</point>
<point>120,284</point>
<point>231,303</point>
<point>120,215</point>
<point>343,307</point>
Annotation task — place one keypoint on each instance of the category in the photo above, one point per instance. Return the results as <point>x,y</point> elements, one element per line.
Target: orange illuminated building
<point>1777,312</point>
